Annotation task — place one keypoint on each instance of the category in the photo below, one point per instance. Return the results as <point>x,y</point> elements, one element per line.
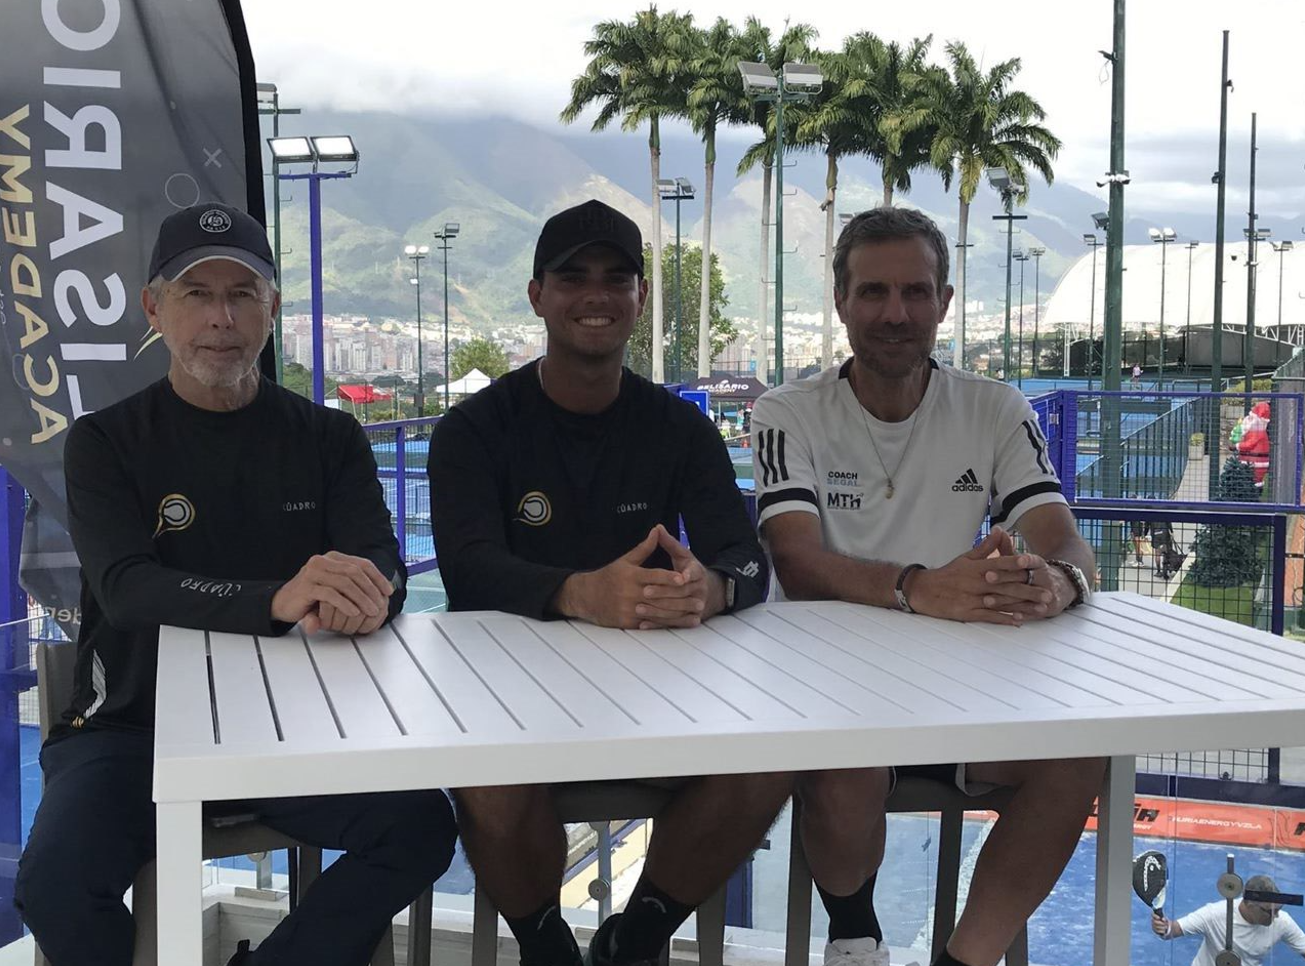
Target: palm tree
<point>794,44</point>
<point>715,97</point>
<point>636,72</point>
<point>980,122</point>
<point>865,84</point>
<point>898,74</point>
<point>839,122</point>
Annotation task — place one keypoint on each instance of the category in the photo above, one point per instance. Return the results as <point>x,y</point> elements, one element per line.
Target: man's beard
<point>891,367</point>
<point>218,375</point>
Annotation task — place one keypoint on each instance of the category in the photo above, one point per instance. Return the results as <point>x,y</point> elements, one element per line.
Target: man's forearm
<point>825,575</point>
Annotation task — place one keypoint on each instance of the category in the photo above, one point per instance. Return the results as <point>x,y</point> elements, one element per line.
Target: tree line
<point>880,100</point>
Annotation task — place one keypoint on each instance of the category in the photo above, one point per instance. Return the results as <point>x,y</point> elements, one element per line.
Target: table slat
<point>359,707</point>
<point>1228,655</point>
<point>528,703</point>
<point>183,706</point>
<point>412,699</point>
<point>301,706</point>
<point>606,676</point>
<point>1201,679</point>
<point>553,674</point>
<point>694,701</point>
<point>244,712</point>
<point>892,668</point>
<point>1016,684</point>
<point>474,705</point>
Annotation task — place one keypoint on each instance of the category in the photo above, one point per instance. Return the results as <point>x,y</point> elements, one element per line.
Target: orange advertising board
<point>1214,822</point>
<point>1223,824</point>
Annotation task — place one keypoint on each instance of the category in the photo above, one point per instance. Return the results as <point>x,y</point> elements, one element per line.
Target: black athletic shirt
<point>196,518</point>
<point>525,493</point>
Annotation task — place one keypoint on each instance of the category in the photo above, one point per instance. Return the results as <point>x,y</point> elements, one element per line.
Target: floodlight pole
<point>1216,331</point>
<point>1007,197</point>
<point>1092,311</point>
<point>1036,254</point>
<point>1164,239</point>
<point>276,110</point>
<point>315,179</point>
<point>1252,238</point>
<point>779,230</point>
<point>421,387</point>
<point>445,238</point>
<point>1021,257</point>
<point>1187,329</point>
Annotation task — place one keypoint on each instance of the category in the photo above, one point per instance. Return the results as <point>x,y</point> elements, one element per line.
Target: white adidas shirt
<point>974,445</point>
<point>1251,942</point>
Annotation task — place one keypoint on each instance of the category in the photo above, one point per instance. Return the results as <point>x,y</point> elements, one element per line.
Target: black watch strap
<point>900,590</point>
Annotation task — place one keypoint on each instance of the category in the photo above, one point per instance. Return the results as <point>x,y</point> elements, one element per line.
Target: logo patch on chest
<point>176,512</point>
<point>534,509</point>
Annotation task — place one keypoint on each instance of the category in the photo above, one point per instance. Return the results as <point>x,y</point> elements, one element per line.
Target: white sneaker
<point>856,952</point>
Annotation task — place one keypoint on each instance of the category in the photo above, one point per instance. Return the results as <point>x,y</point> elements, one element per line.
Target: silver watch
<point>1076,577</point>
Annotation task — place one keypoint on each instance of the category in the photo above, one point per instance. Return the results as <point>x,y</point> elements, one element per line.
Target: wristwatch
<point>1082,589</point>
<point>899,591</point>
<point>729,593</point>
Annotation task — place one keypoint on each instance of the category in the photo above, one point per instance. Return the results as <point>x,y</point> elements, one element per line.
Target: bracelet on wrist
<point>899,592</point>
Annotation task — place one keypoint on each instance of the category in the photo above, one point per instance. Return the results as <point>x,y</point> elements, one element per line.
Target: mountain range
<point>500,178</point>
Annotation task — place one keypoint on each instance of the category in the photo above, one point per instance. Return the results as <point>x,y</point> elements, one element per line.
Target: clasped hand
<point>991,583</point>
<point>627,594</point>
<point>334,592</point>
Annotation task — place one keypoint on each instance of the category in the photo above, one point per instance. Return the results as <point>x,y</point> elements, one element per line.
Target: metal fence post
<point>401,493</point>
<point>12,608</point>
<point>1278,569</point>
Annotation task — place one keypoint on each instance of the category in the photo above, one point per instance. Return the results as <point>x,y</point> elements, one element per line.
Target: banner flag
<point>113,114</point>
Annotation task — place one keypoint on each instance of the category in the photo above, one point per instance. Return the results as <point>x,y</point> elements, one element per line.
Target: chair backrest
<point>54,680</point>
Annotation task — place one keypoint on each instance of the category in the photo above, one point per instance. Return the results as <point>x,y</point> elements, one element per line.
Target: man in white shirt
<point>1257,927</point>
<point>873,479</point>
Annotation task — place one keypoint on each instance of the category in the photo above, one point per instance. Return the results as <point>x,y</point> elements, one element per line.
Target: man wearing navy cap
<point>217,500</point>
<point>558,492</point>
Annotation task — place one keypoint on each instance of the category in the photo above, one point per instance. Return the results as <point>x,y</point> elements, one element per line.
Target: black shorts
<point>949,774</point>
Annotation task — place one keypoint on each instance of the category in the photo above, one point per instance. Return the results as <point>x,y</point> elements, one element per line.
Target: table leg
<point>1114,862</point>
<point>180,864</point>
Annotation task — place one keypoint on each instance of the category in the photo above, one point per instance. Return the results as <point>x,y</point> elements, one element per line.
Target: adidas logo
<point>968,483</point>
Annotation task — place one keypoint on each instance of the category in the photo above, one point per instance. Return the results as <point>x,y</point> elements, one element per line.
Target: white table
<point>487,698</point>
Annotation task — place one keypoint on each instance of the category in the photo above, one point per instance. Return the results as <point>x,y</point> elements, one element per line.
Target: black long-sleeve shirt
<point>196,518</point>
<point>525,493</point>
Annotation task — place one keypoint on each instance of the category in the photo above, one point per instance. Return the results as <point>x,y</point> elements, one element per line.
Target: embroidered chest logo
<point>176,512</point>
<point>844,501</point>
<point>534,509</point>
<point>967,483</point>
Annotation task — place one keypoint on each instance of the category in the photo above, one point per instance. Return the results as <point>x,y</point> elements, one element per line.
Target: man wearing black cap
<point>558,492</point>
<point>215,499</point>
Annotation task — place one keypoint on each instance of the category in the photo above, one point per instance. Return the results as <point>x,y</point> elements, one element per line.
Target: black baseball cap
<point>210,231</point>
<point>592,223</point>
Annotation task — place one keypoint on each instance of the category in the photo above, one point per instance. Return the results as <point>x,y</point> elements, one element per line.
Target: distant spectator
<point>1139,531</point>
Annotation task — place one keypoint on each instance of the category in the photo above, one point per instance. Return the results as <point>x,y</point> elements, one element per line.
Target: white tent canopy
<point>474,381</point>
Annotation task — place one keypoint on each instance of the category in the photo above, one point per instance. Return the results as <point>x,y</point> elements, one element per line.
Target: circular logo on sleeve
<point>176,512</point>
<point>534,509</point>
<point>215,221</point>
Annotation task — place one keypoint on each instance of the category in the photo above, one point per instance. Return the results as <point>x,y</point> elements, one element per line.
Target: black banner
<point>113,114</point>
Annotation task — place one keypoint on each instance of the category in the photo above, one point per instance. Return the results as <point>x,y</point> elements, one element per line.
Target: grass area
<point>1230,603</point>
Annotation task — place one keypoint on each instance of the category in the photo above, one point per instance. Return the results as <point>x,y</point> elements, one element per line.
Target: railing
<point>401,449</point>
<point>1157,440</point>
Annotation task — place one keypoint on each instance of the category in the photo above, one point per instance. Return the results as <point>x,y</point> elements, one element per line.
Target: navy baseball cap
<point>206,232</point>
<point>592,223</point>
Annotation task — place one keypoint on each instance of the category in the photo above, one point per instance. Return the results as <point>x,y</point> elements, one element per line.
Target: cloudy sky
<point>515,58</point>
